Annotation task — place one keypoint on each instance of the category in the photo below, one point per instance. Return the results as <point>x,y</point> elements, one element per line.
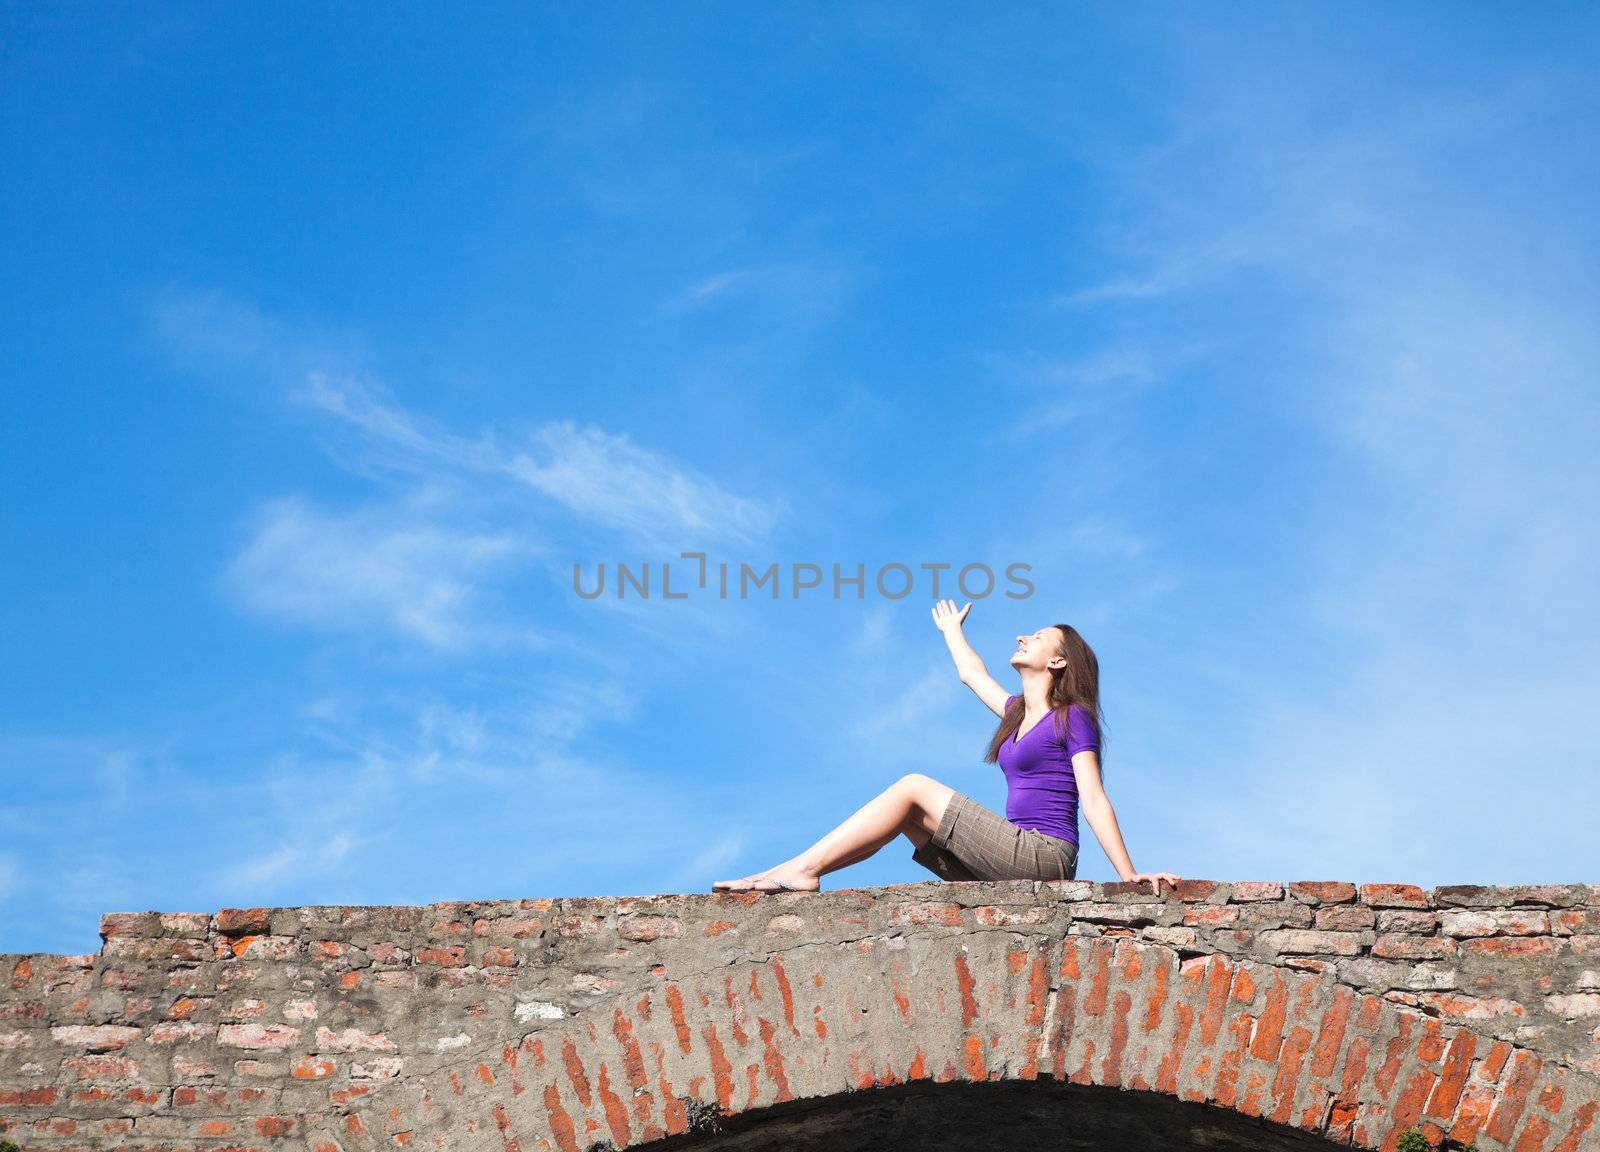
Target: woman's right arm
<point>947,618</point>
<point>1096,808</point>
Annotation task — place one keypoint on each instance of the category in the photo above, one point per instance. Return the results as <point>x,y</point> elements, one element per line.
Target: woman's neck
<point>1036,693</point>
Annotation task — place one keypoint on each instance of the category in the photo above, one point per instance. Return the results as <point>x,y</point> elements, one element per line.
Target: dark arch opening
<point>991,1116</point>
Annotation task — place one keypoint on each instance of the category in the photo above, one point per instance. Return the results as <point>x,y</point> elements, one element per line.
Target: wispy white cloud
<point>304,862</point>
<point>461,513</point>
<point>610,480</point>
<point>605,479</point>
<point>366,569</point>
<point>367,407</point>
<point>877,623</point>
<point>364,797</point>
<point>713,287</point>
<point>907,712</point>
<point>1078,399</point>
<point>119,773</point>
<point>1189,268</point>
<point>1461,593</point>
<point>1437,360</point>
<point>708,864</point>
<point>535,780</point>
<point>214,333</point>
<point>802,293</point>
<point>621,154</point>
<point>1101,373</point>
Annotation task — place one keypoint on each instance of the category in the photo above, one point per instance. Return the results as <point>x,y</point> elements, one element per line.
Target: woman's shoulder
<point>1082,728</point>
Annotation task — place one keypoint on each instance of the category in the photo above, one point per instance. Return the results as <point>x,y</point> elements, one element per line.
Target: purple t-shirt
<point>1041,788</point>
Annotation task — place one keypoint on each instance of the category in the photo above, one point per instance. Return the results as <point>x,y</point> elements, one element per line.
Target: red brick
<point>1217,981</point>
<point>257,1036</point>
<point>1534,1134</point>
<point>966,983</point>
<point>1399,947</point>
<point>1206,915</point>
<point>1167,1070</point>
<point>1331,1035</point>
<point>101,1067</point>
<point>1453,1077</point>
<point>1516,947</point>
<point>1455,1007</point>
<point>1575,921</point>
<point>95,1037</point>
<point>1583,1120</point>
<point>1224,1090</point>
<point>945,914</point>
<point>516,929</point>
<point>1188,890</point>
<point>1407,1106</point>
<point>1269,1030</point>
<point>1393,896</point>
<point>28,1097</point>
<point>451,956</point>
<point>1514,1098</point>
<point>1251,891</point>
<point>242,921</point>
<point>1311,941</point>
<point>1111,1068</point>
<point>1476,1103</point>
<point>647,928</point>
<point>1288,1077</point>
<point>1244,988</point>
<point>1345,918</point>
<point>1398,1045</point>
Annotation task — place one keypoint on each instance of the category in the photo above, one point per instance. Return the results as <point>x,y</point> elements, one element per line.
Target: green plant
<point>8,1146</point>
<point>702,1117</point>
<point>1412,1140</point>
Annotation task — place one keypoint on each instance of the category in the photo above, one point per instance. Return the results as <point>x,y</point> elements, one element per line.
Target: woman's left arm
<point>1096,807</point>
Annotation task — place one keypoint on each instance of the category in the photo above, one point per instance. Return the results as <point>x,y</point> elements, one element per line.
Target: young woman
<point>1051,770</point>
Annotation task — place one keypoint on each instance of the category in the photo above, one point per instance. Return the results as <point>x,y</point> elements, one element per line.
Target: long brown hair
<point>1077,682</point>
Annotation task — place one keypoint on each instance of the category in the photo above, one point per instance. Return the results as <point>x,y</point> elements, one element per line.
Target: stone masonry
<point>1248,1014</point>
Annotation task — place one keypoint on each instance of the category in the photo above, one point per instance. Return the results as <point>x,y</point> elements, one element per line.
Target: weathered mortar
<point>566,1022</point>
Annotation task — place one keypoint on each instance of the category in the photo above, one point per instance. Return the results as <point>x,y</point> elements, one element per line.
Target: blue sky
<point>335,337</point>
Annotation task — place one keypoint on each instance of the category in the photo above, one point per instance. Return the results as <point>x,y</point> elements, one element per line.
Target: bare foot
<point>740,885</point>
<point>783,878</point>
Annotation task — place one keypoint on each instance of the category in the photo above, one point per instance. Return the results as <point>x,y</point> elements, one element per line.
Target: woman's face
<point>1041,650</point>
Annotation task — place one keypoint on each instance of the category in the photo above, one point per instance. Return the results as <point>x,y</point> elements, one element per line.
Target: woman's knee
<point>921,791</point>
<point>926,798</point>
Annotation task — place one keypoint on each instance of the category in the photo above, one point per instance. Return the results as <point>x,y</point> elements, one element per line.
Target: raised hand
<point>947,616</point>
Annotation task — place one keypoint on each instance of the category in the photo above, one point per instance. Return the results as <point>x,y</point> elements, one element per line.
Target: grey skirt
<point>975,843</point>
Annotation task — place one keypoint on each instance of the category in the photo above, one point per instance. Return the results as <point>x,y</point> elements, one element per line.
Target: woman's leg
<point>861,854</point>
<point>913,804</point>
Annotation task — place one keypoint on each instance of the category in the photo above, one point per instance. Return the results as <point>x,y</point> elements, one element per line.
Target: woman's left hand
<point>1155,879</point>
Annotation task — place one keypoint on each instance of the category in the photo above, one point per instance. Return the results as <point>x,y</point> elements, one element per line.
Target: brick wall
<point>561,1023</point>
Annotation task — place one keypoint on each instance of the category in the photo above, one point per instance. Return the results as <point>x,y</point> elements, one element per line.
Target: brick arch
<point>828,1019</point>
